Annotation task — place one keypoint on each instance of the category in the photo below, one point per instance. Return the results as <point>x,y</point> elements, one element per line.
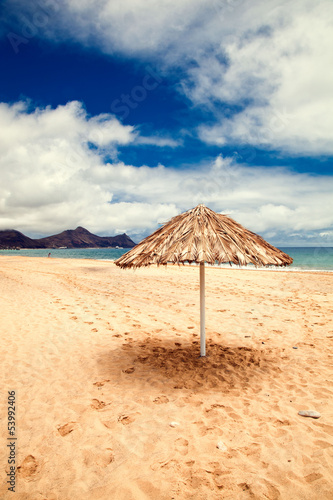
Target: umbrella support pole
<point>202,310</point>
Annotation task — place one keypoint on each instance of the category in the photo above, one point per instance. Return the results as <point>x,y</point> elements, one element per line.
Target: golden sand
<point>103,360</point>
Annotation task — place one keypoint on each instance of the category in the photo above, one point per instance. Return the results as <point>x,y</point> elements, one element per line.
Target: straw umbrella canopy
<point>201,235</point>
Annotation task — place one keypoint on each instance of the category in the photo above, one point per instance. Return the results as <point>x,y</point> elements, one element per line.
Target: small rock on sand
<point>174,424</point>
<point>221,446</point>
<point>309,413</point>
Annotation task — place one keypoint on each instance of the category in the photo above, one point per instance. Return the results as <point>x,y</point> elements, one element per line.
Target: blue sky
<point>119,115</point>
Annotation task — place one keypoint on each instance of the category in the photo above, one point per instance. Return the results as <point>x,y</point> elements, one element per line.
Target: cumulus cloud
<point>52,179</point>
<point>272,60</point>
<point>132,27</point>
<point>263,69</point>
<point>285,74</point>
<point>46,159</point>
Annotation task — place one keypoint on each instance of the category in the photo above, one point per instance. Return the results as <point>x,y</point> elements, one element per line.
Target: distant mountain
<point>77,238</point>
<point>11,239</point>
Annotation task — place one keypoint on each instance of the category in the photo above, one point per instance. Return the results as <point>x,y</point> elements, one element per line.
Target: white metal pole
<point>202,310</point>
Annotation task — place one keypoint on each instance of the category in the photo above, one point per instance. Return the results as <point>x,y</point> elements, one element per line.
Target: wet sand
<point>103,360</point>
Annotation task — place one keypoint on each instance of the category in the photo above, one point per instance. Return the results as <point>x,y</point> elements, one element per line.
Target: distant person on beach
<point>49,254</point>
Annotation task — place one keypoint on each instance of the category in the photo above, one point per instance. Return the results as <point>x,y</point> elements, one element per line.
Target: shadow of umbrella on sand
<point>201,235</point>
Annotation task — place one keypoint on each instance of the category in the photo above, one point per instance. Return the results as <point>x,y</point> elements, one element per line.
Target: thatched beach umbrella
<point>201,235</point>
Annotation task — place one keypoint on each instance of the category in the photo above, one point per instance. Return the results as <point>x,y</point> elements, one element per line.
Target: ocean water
<point>305,258</point>
<point>311,258</point>
<point>71,253</point>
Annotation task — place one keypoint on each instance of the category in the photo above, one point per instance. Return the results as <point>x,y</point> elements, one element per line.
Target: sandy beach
<point>114,402</point>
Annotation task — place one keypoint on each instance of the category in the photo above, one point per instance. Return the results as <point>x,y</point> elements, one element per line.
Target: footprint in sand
<point>101,383</point>
<point>202,428</point>
<point>101,458</point>
<point>131,369</point>
<point>323,444</point>
<point>67,428</point>
<point>181,445</point>
<point>168,464</point>
<point>313,477</point>
<point>97,405</point>
<point>109,424</point>
<point>142,359</point>
<point>28,467</point>
<point>127,419</point>
<point>161,400</point>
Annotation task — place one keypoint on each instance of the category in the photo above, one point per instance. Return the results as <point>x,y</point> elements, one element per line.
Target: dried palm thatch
<point>201,235</point>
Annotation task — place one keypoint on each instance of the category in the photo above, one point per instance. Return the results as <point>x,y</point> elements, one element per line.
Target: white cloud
<point>286,75</point>
<point>45,164</point>
<point>68,124</point>
<point>105,129</point>
<point>158,141</point>
<point>50,180</point>
<point>132,26</point>
<point>271,58</point>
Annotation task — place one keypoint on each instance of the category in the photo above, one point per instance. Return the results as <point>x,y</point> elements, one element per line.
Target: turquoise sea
<point>305,258</point>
